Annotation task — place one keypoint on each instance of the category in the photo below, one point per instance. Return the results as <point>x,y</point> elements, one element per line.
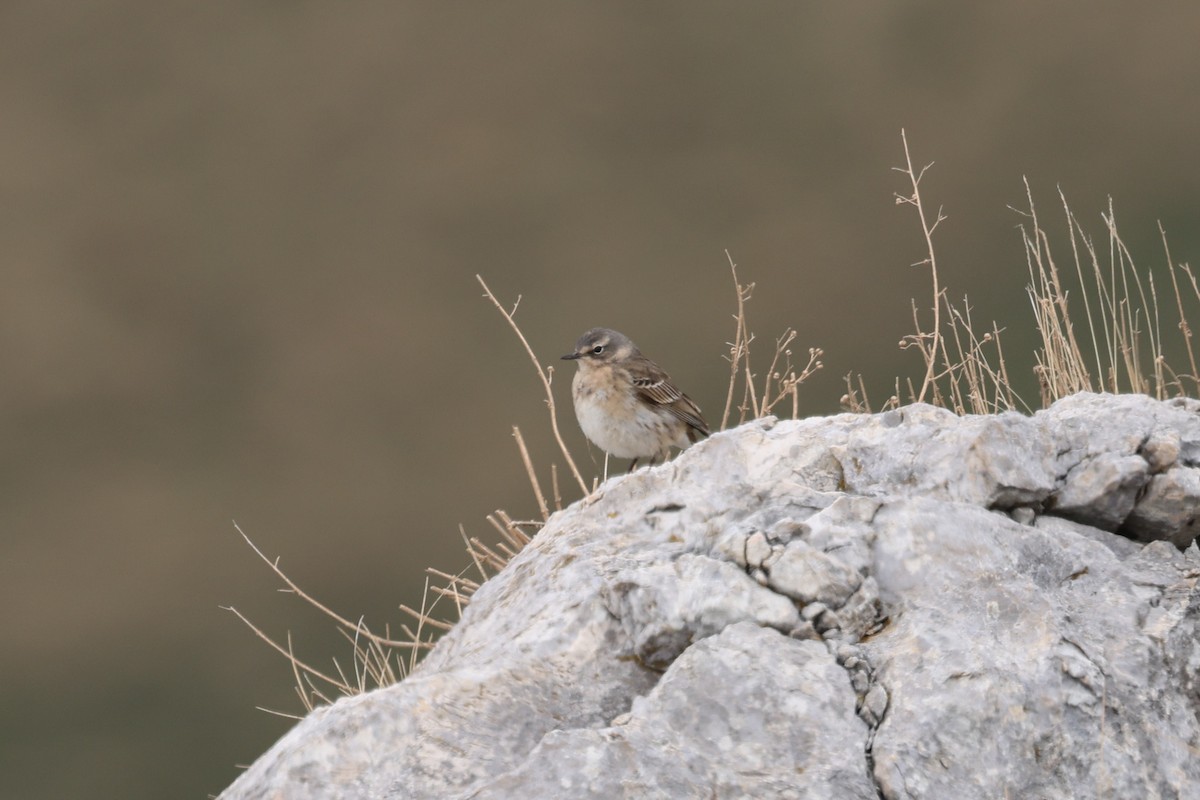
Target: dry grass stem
<point>297,664</point>
<point>293,588</point>
<point>855,400</point>
<point>930,344</point>
<point>533,480</point>
<point>1184,328</point>
<point>283,714</point>
<point>1120,309</point>
<point>457,580</point>
<point>554,487</point>
<point>474,556</point>
<point>963,371</point>
<point>781,381</point>
<point>739,348</point>
<point>425,619</point>
<point>545,375</point>
<point>377,659</point>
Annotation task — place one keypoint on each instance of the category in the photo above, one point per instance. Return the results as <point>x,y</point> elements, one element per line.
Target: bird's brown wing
<point>654,386</point>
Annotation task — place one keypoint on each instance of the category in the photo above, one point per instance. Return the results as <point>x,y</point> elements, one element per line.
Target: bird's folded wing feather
<point>654,386</point>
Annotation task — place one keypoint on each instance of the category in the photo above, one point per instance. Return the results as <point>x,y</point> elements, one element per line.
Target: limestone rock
<point>670,746</point>
<point>978,607</point>
<point>1168,508</point>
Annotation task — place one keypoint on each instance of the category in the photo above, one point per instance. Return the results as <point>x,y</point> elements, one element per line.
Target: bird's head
<point>601,346</point>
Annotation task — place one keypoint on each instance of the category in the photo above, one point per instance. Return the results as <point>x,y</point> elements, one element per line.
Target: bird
<point>626,404</point>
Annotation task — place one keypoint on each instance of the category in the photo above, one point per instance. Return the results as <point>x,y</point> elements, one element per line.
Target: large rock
<point>905,605</point>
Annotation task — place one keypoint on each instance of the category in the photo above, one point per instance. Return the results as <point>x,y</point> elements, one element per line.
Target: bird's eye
<point>598,349</point>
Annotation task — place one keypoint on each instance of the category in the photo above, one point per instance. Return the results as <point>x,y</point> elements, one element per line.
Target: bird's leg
<point>633,465</point>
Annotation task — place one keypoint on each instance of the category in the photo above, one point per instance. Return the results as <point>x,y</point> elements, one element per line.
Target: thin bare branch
<point>931,355</point>
<point>739,349</point>
<point>545,375</point>
<point>286,652</point>
<point>305,596</point>
<point>424,619</point>
<point>533,479</point>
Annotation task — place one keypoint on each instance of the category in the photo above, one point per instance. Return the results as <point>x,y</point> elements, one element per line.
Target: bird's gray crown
<point>603,344</point>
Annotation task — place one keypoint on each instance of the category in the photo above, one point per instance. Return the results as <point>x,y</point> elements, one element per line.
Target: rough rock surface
<point>904,605</point>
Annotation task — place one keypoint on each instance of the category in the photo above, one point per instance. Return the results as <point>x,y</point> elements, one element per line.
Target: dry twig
<point>545,375</point>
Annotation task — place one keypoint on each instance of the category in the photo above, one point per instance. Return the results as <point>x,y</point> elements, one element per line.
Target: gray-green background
<point>238,243</point>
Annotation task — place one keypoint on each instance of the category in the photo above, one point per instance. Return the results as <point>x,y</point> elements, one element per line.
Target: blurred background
<point>239,243</point>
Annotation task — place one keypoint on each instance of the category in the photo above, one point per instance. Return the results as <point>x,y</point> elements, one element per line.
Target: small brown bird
<point>625,403</point>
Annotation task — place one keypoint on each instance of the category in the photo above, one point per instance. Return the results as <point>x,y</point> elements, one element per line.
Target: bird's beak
<point>571,356</point>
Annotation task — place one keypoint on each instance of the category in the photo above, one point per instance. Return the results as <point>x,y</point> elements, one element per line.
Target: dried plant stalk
<point>545,375</point>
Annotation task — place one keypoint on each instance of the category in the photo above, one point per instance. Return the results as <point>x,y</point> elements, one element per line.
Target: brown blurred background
<point>238,245</point>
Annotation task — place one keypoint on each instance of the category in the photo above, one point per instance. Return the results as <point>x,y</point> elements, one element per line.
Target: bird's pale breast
<point>616,421</point>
